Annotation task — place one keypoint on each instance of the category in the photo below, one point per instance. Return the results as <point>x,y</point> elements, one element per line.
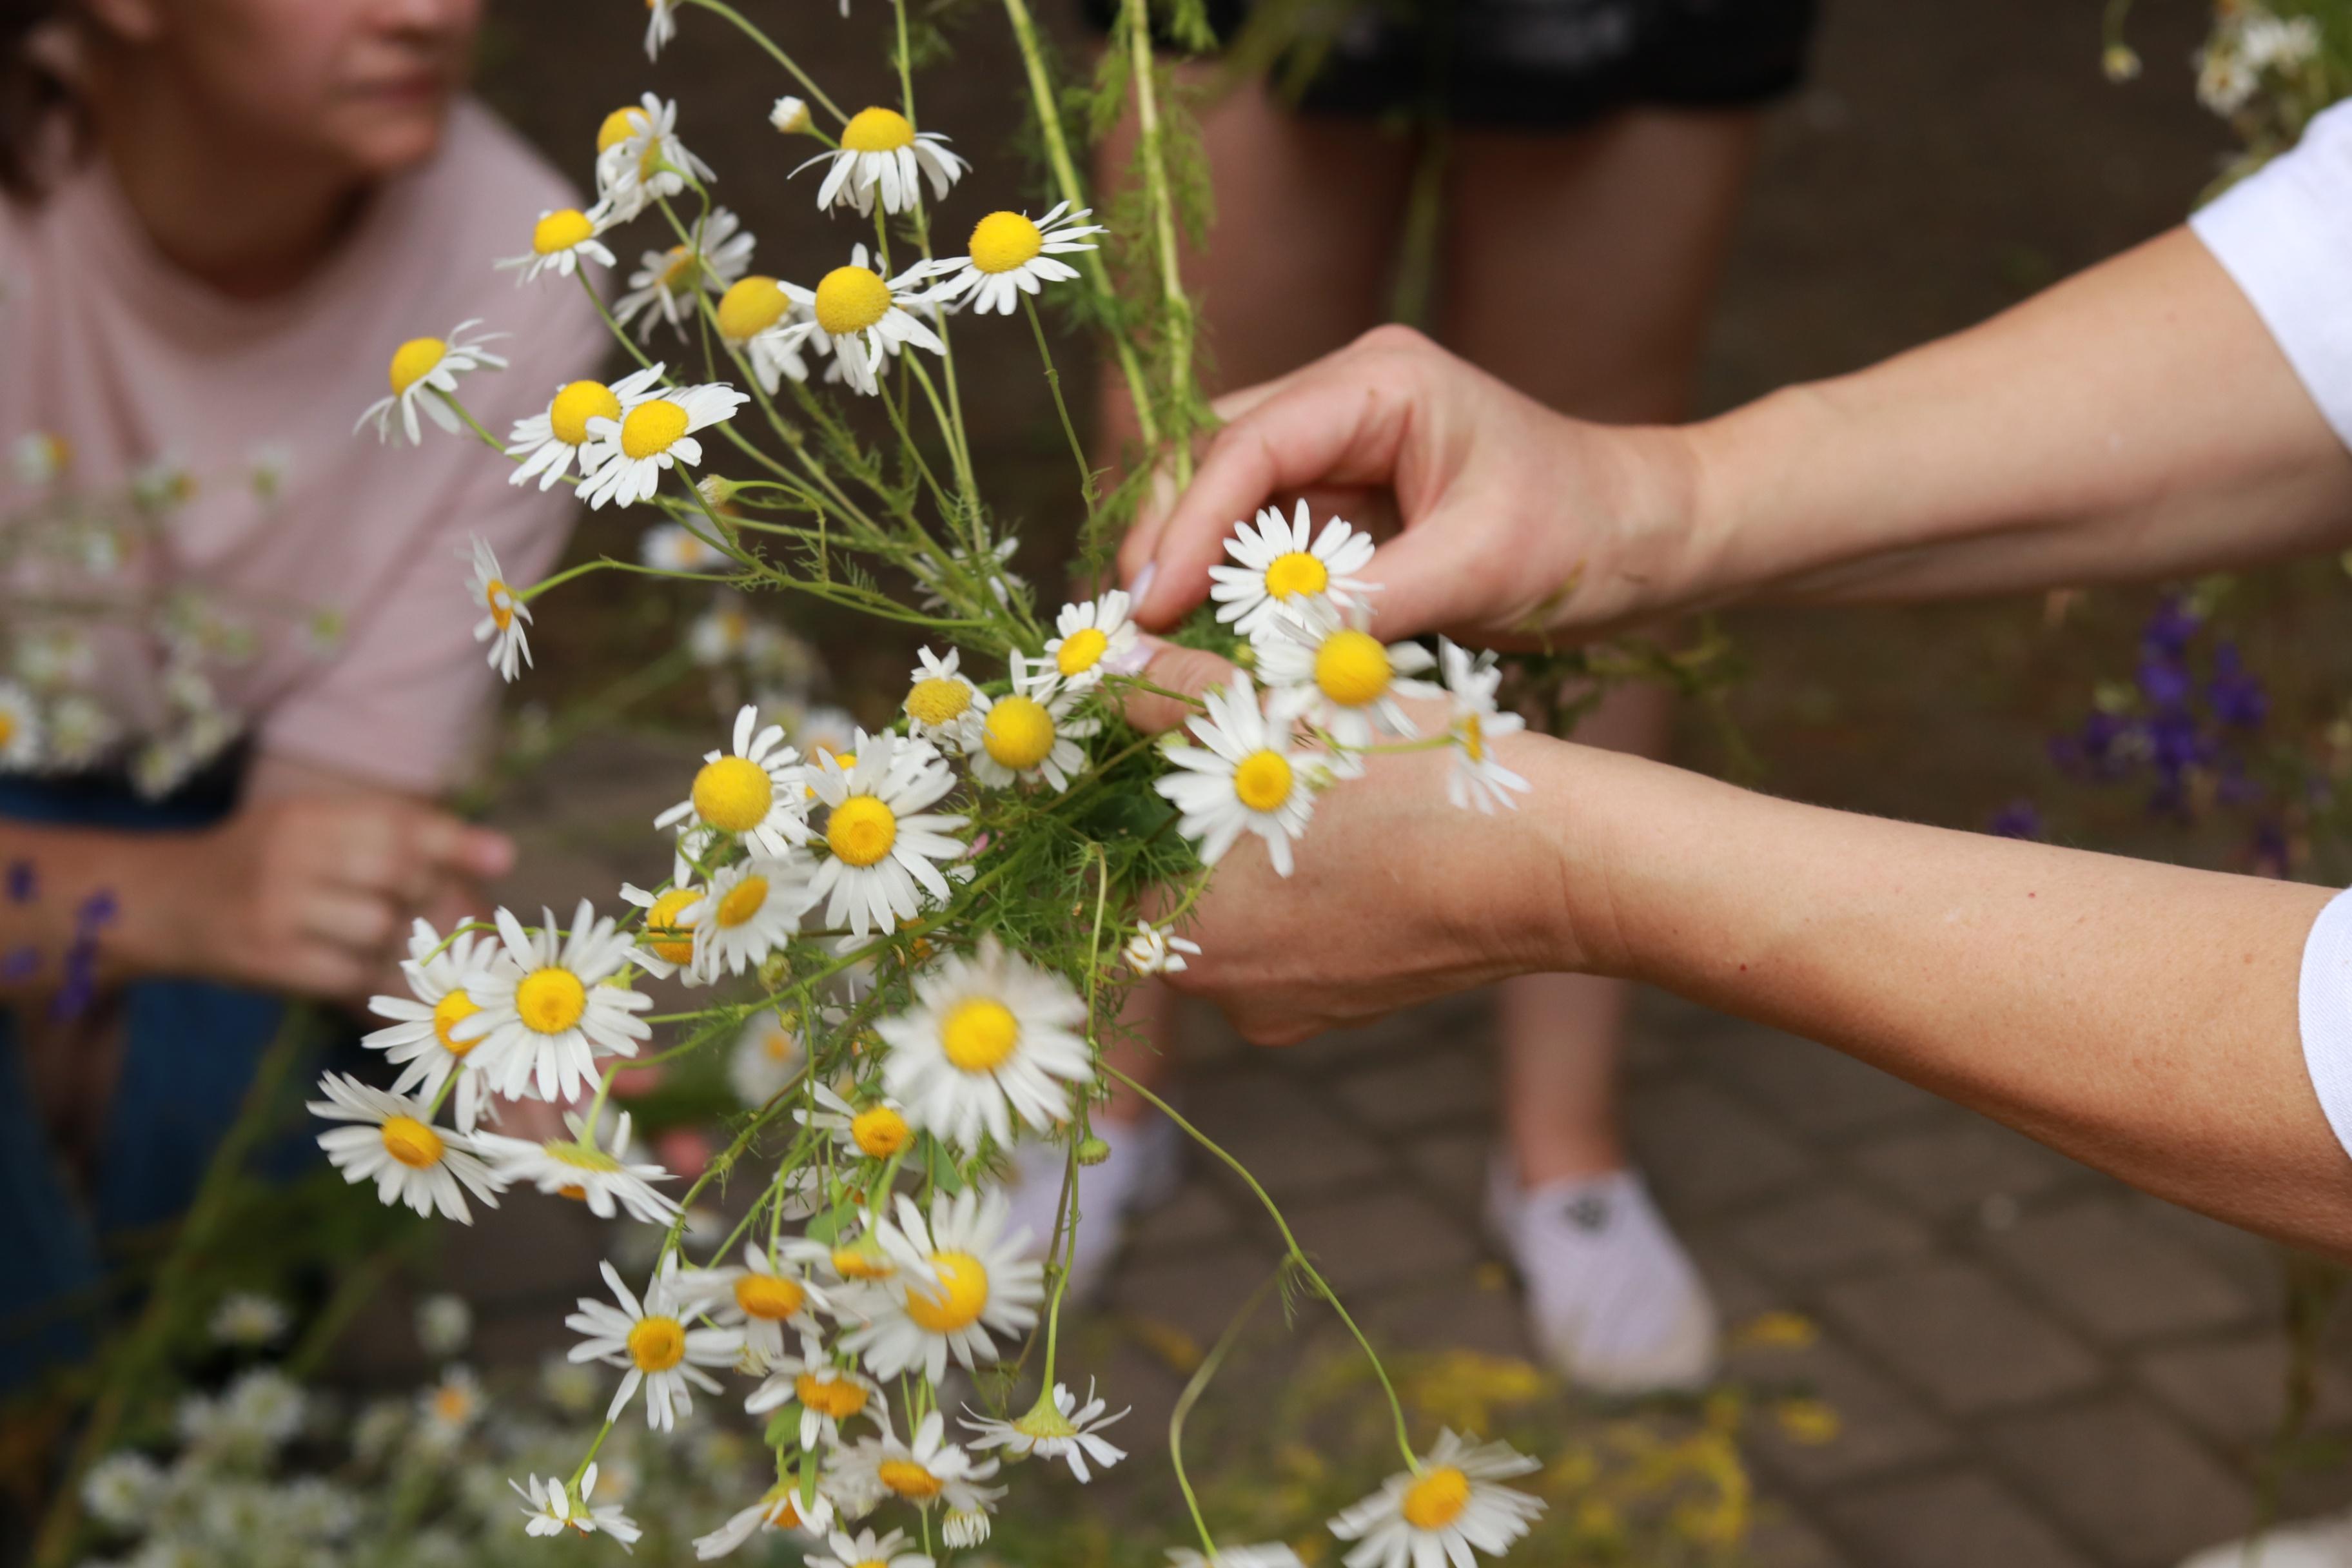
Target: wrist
<point>1748,524</point>
<point>169,900</point>
<point>1566,907</point>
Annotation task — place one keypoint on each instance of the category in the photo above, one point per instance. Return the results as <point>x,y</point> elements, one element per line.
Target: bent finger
<point>1189,670</point>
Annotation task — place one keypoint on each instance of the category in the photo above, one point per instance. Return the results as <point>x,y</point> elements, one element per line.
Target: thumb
<point>1189,670</point>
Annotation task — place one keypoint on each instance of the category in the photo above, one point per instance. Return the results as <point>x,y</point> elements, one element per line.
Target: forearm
<point>87,905</point>
<point>2140,1018</point>
<point>2135,422</point>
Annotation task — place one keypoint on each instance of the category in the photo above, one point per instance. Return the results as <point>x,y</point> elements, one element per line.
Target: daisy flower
<point>1442,1511</point>
<point>927,1471</point>
<point>881,150</point>
<point>1094,638</point>
<point>991,566</point>
<point>1476,778</point>
<point>878,1130</point>
<point>958,1281</point>
<point>411,1161</point>
<point>942,705</point>
<point>766,1057</point>
<point>1158,949</point>
<point>749,912</point>
<point>861,319</point>
<point>640,160</point>
<point>121,1487</point>
<point>419,1037</point>
<point>673,547</point>
<point>502,627</point>
<point>661,26</point>
<point>447,1411</point>
<point>665,937</point>
<point>1250,778</point>
<point>779,1507</point>
<point>990,1038</point>
<point>547,443</point>
<point>748,314</point>
<point>761,1299</point>
<point>827,1395</point>
<point>884,847</point>
<point>1273,1554</point>
<point>1342,679</point>
<point>79,733</point>
<point>578,1167</point>
<point>1014,255</point>
<point>1028,735</point>
<point>790,116</point>
<point>866,1550</point>
<point>247,1319</point>
<point>1057,1428</point>
<point>650,1338</point>
<point>40,458</point>
<point>1279,574</point>
<point>755,790</point>
<point>546,1012</point>
<point>562,241</point>
<point>670,283</point>
<point>627,455</point>
<point>20,729</point>
<point>552,1509</point>
<point>425,371</point>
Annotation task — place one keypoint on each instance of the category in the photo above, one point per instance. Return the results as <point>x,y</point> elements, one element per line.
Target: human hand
<point>1517,524</point>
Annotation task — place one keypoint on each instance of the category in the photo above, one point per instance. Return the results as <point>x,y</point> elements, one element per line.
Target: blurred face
<point>363,84</point>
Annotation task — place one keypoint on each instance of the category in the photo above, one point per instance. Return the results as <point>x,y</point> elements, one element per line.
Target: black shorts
<point>1546,64</point>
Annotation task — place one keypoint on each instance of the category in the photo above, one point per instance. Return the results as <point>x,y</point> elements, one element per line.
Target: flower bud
<point>790,116</point>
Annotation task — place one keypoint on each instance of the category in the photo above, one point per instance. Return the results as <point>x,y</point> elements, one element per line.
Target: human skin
<point>2135,422</point>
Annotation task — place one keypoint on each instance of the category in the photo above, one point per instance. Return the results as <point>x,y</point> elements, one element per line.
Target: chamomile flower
<point>882,152</point>
<point>861,319</point>
<point>40,458</point>
<point>665,935</point>
<point>866,1550</point>
<point>546,1012</point>
<point>1250,778</point>
<point>790,116</point>
<point>992,1039</point>
<point>748,314</point>
<point>419,1038</point>
<point>779,1507</point>
<point>562,241</point>
<point>992,565</point>
<point>1057,1428</point>
<point>79,731</point>
<point>942,705</point>
<point>761,1299</point>
<point>20,729</point>
<point>424,373</point>
<point>766,1057</point>
<point>661,26</point>
<point>877,1130</point>
<point>827,1395</point>
<point>248,1320</point>
<point>1013,255</point>
<point>1279,574</point>
<point>884,850</point>
<point>121,1488</point>
<point>927,1470</point>
<point>639,160</point>
<point>1273,1554</point>
<point>1443,1511</point>
<point>650,1338</point>
<point>1031,734</point>
<point>673,547</point>
<point>669,284</point>
<point>750,909</point>
<point>754,790</point>
<point>547,443</point>
<point>600,1175</point>
<point>447,1411</point>
<point>394,1143</point>
<point>1476,778</point>
<point>552,1509</point>
<point>1339,678</point>
<point>628,454</point>
<point>502,625</point>
<point>1158,949</point>
<point>958,1280</point>
<point>1094,638</point>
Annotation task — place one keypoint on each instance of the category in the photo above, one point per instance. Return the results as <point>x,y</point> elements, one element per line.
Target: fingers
<point>406,852</point>
<point>359,922</point>
<point>1190,670</point>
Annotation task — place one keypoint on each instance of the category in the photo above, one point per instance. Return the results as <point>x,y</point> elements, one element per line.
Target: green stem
<point>807,82</point>
<point>1194,1389</point>
<point>1152,154</point>
<point>1086,492</point>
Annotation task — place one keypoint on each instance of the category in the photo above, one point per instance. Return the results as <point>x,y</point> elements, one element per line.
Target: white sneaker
<point>1140,1174</point>
<point>1612,1299</point>
<point>2315,1543</point>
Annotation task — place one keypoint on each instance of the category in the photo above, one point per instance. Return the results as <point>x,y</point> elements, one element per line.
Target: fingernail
<point>1143,583</point>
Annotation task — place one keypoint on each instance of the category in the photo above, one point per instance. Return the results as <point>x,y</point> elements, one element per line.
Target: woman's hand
<point>1517,524</point>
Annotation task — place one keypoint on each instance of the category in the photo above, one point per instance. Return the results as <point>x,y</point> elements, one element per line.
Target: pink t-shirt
<point>105,344</point>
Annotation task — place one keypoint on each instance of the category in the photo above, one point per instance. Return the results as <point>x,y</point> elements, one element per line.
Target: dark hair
<point>32,97</point>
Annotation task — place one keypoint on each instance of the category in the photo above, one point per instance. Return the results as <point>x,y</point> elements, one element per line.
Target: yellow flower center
<point>666,936</point>
<point>742,902</point>
<point>861,1263</point>
<point>561,231</point>
<point>1474,737</point>
<point>567,415</point>
<point>877,131</point>
<point>582,1157</point>
<point>766,1296</point>
<point>680,266</point>
<point>829,1394</point>
<point>7,728</point>
<point>1020,732</point>
<point>1436,1499</point>
<point>501,600</point>
<point>878,1131</point>
<point>1261,782</point>
<point>861,830</point>
<point>782,1503</point>
<point>938,700</point>
<point>1295,572</point>
<point>652,429</point>
<point>656,1344</point>
<point>618,127</point>
<point>454,1404</point>
<point>733,793</point>
<point>776,1045</point>
<point>750,307</point>
<point>1002,241</point>
<point>962,1295</point>
<point>412,1143</point>
<point>447,1013</point>
<point>1080,651</point>
<point>413,361</point>
<point>1352,667</point>
<point>551,1000</point>
<point>979,1033</point>
<point>850,299</point>
<point>907,1479</point>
